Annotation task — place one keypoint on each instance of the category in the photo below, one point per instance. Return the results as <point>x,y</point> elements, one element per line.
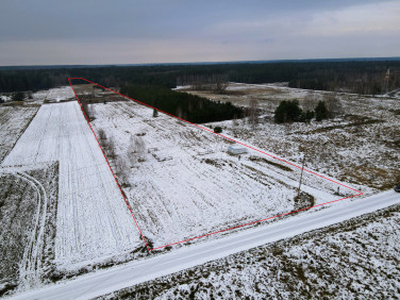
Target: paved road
<point>106,281</point>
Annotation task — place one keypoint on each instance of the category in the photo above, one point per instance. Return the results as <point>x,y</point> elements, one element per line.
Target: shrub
<point>309,115</point>
<point>320,111</point>
<point>18,96</point>
<point>155,113</point>
<point>102,135</point>
<point>288,111</point>
<point>217,129</point>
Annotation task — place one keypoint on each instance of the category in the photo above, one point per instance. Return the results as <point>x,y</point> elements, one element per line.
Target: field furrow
<point>182,183</point>
<point>93,221</point>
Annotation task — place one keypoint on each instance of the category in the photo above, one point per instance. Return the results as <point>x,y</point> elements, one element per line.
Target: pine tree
<point>320,111</point>
<point>288,111</point>
<point>18,96</point>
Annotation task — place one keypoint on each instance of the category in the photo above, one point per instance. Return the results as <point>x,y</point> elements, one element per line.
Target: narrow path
<point>31,267</point>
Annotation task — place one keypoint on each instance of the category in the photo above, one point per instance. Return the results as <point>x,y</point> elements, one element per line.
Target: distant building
<point>237,149</point>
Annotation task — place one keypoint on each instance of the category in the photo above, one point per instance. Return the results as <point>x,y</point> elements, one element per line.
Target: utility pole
<point>301,174</point>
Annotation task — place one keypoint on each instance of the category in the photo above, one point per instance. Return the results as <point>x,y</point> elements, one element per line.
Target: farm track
<point>93,221</point>
<point>31,267</point>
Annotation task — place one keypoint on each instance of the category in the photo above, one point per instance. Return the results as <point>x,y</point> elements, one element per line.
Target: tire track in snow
<point>31,266</point>
<point>87,192</point>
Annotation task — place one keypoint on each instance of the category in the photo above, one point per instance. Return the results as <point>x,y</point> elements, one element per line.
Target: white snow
<point>93,220</point>
<point>55,94</point>
<point>129,274</point>
<point>13,121</point>
<point>188,185</point>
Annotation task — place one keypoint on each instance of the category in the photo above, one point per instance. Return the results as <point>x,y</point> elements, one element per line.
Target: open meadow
<point>60,198</point>
<point>360,145</point>
<point>181,182</point>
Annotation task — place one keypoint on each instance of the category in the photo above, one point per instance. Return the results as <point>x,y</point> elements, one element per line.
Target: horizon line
<point>39,66</point>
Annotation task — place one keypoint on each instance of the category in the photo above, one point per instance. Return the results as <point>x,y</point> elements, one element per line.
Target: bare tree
<point>220,83</point>
<point>235,124</point>
<point>216,82</point>
<point>102,135</point>
<point>310,101</point>
<point>110,147</point>
<point>333,105</point>
<point>132,151</point>
<point>88,110</point>
<point>140,147</point>
<point>122,170</point>
<point>137,149</point>
<point>253,112</point>
<point>85,107</point>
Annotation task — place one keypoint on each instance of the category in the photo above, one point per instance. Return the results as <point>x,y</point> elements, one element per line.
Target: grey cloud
<point>233,29</point>
<point>25,19</point>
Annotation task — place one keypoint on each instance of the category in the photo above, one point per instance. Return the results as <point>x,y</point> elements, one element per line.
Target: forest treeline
<point>367,77</point>
<point>186,106</point>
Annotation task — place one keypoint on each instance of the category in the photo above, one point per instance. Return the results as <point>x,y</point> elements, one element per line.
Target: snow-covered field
<point>28,200</point>
<point>358,146</point>
<point>255,249</point>
<point>179,179</point>
<point>356,259</point>
<point>13,122</point>
<point>56,94</point>
<point>184,184</point>
<point>93,221</point>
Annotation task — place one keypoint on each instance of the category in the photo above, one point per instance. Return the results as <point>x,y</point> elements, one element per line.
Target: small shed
<point>237,149</point>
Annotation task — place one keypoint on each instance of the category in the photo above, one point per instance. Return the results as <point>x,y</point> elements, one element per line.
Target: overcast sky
<point>43,32</point>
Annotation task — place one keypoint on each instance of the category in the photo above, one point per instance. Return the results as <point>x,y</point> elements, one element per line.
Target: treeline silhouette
<point>366,77</point>
<point>363,77</point>
<point>186,106</point>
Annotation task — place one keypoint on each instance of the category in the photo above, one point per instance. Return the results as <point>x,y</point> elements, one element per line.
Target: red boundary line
<point>359,193</point>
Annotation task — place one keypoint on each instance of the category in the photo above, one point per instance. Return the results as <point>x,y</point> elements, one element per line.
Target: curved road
<point>106,281</point>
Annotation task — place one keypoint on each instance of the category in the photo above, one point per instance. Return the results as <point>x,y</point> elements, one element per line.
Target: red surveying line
<point>359,193</point>
<point>112,172</point>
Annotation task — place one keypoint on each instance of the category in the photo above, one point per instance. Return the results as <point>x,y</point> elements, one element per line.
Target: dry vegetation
<point>14,119</point>
<point>28,198</point>
<point>353,260</point>
<point>359,146</point>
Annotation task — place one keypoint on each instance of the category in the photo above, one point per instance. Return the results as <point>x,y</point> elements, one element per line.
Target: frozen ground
<point>358,146</point>
<point>181,183</point>
<point>54,95</point>
<point>357,259</point>
<point>13,122</point>
<point>161,153</point>
<point>93,221</point>
<point>164,153</point>
<point>28,201</point>
<point>241,93</point>
<point>144,271</point>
